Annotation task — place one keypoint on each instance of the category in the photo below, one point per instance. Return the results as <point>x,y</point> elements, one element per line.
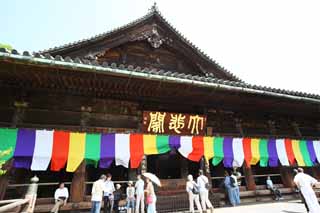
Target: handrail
<point>30,199</point>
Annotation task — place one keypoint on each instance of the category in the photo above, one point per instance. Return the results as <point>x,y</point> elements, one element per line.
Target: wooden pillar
<point>78,186</point>
<point>248,176</point>
<point>184,168</point>
<point>316,172</point>
<point>4,179</point>
<point>286,176</point>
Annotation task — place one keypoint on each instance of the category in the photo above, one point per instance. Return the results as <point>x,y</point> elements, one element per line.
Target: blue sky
<point>267,42</point>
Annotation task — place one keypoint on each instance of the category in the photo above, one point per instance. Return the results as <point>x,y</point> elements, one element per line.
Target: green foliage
<point>2,162</point>
<point>7,46</point>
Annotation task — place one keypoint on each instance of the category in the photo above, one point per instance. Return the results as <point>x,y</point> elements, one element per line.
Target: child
<point>130,197</point>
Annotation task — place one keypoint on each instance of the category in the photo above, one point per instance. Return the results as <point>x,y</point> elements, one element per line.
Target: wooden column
<point>316,172</point>
<point>78,186</point>
<point>4,179</point>
<point>184,168</point>
<point>248,176</point>
<point>286,176</point>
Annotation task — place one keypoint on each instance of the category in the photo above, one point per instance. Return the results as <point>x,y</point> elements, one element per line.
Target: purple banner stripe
<point>107,150</point>
<point>24,148</point>
<point>228,152</point>
<point>312,152</point>
<point>174,141</point>
<point>272,151</point>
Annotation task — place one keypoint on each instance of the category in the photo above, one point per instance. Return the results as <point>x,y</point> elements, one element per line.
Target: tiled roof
<point>153,12</point>
<point>129,70</point>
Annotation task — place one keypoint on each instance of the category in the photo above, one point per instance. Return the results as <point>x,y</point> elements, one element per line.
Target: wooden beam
<point>78,186</point>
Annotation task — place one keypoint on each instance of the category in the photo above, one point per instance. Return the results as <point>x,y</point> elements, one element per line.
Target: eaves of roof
<point>145,73</point>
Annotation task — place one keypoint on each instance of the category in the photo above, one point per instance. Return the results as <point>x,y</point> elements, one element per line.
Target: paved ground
<point>279,207</point>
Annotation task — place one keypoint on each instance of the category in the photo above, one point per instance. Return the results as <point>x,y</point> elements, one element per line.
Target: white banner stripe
<point>122,149</point>
<point>238,154</point>
<point>185,146</point>
<point>42,150</point>
<point>316,146</point>
<point>281,151</point>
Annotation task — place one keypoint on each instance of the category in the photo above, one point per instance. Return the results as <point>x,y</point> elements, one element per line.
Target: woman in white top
<point>151,197</point>
<point>193,192</point>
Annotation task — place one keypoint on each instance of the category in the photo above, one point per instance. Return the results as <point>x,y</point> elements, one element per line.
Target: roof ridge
<point>154,10</point>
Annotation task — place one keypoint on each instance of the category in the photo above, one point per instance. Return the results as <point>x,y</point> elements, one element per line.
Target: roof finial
<point>154,7</point>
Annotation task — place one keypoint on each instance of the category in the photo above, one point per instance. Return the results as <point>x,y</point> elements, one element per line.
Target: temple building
<point>145,85</point>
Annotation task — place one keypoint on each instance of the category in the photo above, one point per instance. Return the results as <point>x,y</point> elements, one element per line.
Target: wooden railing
<point>25,205</point>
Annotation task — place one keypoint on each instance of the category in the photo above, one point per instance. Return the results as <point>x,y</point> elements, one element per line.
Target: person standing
<point>108,194</point>
<point>228,185</point>
<point>295,172</point>
<point>151,197</point>
<point>193,192</point>
<point>61,196</point>
<point>235,186</point>
<point>117,196</point>
<point>204,187</point>
<point>140,194</point>
<point>305,183</point>
<point>97,194</point>
<point>276,192</point>
<point>130,197</point>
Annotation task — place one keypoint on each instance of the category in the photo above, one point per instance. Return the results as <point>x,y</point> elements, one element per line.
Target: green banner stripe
<point>92,151</point>
<point>162,143</point>
<point>264,156</point>
<point>217,150</point>
<point>305,153</point>
<point>8,139</point>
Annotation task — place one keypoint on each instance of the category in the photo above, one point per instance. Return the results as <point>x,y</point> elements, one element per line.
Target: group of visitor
<point>231,185</point>
<point>135,199</point>
<point>104,190</point>
<point>199,191</point>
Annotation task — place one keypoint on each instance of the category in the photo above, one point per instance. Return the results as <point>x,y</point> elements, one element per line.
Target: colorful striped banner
<point>34,149</point>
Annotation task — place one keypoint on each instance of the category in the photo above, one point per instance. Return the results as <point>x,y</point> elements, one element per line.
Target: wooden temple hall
<point>147,78</point>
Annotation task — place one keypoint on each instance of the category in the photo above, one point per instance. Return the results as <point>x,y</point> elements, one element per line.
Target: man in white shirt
<point>305,183</point>
<point>202,181</point>
<point>108,194</point>
<point>97,194</point>
<point>140,194</point>
<point>60,196</point>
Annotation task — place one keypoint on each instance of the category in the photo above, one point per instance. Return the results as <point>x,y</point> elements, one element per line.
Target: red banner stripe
<point>136,150</point>
<point>197,148</point>
<point>247,150</point>
<point>289,150</point>
<point>60,150</point>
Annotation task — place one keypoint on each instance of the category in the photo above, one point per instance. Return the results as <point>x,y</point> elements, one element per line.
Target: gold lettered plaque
<point>173,123</point>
